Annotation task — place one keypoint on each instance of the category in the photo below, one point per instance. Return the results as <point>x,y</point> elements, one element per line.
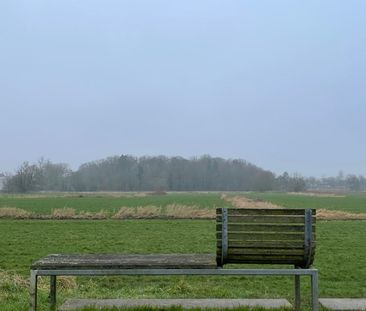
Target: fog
<point>279,84</point>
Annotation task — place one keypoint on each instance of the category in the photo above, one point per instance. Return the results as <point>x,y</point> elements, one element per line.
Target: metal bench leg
<point>53,292</point>
<point>33,290</point>
<point>297,293</point>
<point>314,291</point>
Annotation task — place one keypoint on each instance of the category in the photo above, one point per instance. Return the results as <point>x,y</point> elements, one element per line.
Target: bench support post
<point>53,292</point>
<point>314,291</point>
<point>33,290</point>
<point>297,293</point>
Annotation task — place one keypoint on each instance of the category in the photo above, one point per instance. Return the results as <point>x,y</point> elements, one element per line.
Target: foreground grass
<point>351,202</point>
<point>340,258</point>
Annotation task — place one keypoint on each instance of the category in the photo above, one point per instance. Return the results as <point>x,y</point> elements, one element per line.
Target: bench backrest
<point>265,236</point>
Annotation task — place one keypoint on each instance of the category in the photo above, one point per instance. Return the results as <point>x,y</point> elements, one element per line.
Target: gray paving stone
<point>74,304</point>
<point>343,303</point>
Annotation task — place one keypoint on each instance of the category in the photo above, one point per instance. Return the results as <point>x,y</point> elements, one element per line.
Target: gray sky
<point>278,83</point>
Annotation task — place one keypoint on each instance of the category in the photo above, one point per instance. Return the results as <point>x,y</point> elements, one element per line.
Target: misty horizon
<point>191,158</point>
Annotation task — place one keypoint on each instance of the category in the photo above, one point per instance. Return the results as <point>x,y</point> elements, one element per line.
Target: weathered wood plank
<point>122,261</point>
<point>266,257</point>
<point>290,261</point>
<point>264,228</point>
<point>259,236</point>
<point>265,244</point>
<point>265,219</point>
<point>261,251</point>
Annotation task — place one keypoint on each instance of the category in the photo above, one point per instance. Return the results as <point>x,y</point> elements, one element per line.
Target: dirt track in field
<point>244,202</point>
<point>322,214</point>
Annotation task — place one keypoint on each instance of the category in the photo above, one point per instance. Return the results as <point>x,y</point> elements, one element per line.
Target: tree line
<point>161,173</point>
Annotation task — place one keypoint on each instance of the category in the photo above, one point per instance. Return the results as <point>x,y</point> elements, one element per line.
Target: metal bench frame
<point>313,273</point>
<point>76,271</point>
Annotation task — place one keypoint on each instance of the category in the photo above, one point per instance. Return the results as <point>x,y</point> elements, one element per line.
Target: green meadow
<point>43,204</point>
<point>350,202</point>
<point>340,254</point>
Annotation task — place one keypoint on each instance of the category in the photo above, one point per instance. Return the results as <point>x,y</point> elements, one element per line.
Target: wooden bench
<point>244,236</point>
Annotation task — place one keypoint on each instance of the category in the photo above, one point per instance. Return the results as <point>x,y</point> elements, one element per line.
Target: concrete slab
<point>74,304</point>
<point>343,303</point>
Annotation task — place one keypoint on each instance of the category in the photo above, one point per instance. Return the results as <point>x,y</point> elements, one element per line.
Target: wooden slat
<point>265,244</point>
<point>261,251</point>
<point>265,258</point>
<point>122,261</point>
<point>265,219</point>
<point>263,236</point>
<point>290,261</point>
<point>263,211</point>
<point>264,228</point>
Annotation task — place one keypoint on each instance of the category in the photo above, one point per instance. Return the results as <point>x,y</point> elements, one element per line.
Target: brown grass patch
<point>149,211</point>
<point>62,213</point>
<point>243,202</point>
<point>178,211</point>
<point>184,211</point>
<point>324,214</point>
<point>12,278</point>
<point>63,283</point>
<point>70,213</point>
<point>11,284</point>
<point>14,284</point>
<point>103,214</point>
<point>66,282</point>
<point>14,212</point>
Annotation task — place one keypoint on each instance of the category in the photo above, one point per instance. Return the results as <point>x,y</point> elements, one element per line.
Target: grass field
<point>353,202</point>
<point>340,256</point>
<point>42,204</point>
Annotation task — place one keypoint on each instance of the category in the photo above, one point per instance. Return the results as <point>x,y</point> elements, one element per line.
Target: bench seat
<point>125,261</point>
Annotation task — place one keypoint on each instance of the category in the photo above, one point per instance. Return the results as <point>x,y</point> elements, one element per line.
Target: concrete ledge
<point>343,303</point>
<point>74,304</point>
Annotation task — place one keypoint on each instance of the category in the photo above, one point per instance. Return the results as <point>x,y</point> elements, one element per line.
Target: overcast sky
<point>281,84</point>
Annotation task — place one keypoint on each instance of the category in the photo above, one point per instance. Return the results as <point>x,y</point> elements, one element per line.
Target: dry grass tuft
<point>103,214</point>
<point>14,212</point>
<point>185,211</point>
<point>178,211</point>
<point>149,211</point>
<point>324,214</point>
<point>243,202</point>
<point>66,282</point>
<point>11,285</point>
<point>62,213</point>
<point>63,283</point>
<point>12,278</point>
<point>70,213</point>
